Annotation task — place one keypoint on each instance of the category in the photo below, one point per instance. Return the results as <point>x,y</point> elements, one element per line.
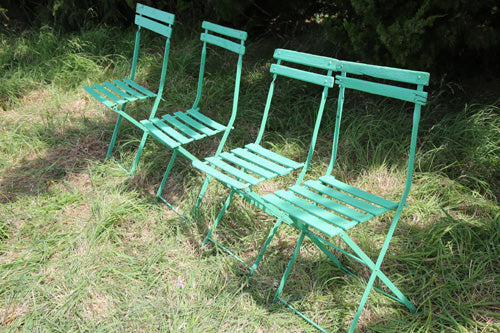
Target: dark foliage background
<point>452,37</point>
<point>441,36</point>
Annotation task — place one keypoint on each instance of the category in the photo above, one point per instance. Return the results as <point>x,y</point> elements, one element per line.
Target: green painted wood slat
<point>265,163</point>
<point>119,92</point>
<point>193,123</point>
<point>128,89</point>
<point>248,165</point>
<point>219,175</point>
<point>102,89</point>
<point>330,180</point>
<point>273,156</point>
<point>183,127</point>
<point>156,14</point>
<point>382,72</point>
<point>322,80</point>
<point>154,26</point>
<point>170,131</point>
<point>204,119</point>
<point>224,43</point>
<point>229,32</point>
<point>306,59</point>
<point>410,95</point>
<point>326,228</point>
<point>332,205</point>
<point>363,205</point>
<point>98,96</point>
<point>137,86</point>
<point>233,171</point>
<point>329,217</point>
<point>159,135</point>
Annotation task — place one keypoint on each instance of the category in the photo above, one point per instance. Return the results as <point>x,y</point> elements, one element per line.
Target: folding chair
<point>327,207</point>
<point>242,168</point>
<point>118,93</point>
<point>174,131</point>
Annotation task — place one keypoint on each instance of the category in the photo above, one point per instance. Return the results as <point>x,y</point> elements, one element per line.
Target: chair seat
<point>182,127</point>
<point>247,166</point>
<point>118,92</point>
<point>328,204</point>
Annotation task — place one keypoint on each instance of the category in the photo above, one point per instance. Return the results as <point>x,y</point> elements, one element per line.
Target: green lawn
<point>83,247</point>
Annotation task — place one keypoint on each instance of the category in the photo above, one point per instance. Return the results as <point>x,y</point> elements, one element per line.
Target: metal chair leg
<point>203,189</point>
<point>138,154</point>
<point>219,217</point>
<point>264,248</point>
<point>289,267</point>
<point>113,137</point>
<point>164,181</point>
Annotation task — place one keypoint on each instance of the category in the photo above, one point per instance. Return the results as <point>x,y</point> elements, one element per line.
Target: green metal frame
<point>118,93</point>
<point>242,168</point>
<point>180,128</point>
<point>331,207</point>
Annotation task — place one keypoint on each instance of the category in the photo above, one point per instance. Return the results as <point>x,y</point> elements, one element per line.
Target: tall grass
<point>36,58</point>
<point>83,247</point>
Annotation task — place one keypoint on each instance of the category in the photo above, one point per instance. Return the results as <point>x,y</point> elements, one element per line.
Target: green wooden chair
<point>242,168</point>
<point>118,93</point>
<point>327,207</point>
<point>180,128</point>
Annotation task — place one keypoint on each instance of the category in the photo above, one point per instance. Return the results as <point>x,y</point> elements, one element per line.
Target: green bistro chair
<point>180,128</point>
<point>326,208</point>
<point>118,93</point>
<point>242,168</point>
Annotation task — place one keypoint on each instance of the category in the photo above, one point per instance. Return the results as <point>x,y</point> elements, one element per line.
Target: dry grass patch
<point>382,181</point>
<point>97,306</point>
<point>12,312</point>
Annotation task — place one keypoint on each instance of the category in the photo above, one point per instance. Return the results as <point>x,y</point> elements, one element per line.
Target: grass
<point>85,248</point>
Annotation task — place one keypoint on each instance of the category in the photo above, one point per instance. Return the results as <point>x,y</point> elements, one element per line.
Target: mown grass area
<point>83,247</point>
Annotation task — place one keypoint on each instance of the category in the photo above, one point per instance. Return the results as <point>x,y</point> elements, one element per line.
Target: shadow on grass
<point>70,153</point>
<point>448,270</point>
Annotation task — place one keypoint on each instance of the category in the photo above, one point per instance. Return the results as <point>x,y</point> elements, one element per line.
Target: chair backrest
<point>232,40</point>
<point>154,19</point>
<point>160,22</point>
<point>395,84</point>
<point>325,80</point>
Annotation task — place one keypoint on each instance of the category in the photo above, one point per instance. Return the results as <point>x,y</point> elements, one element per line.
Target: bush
<point>73,15</point>
<point>436,36</point>
<point>428,35</point>
<point>66,14</point>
